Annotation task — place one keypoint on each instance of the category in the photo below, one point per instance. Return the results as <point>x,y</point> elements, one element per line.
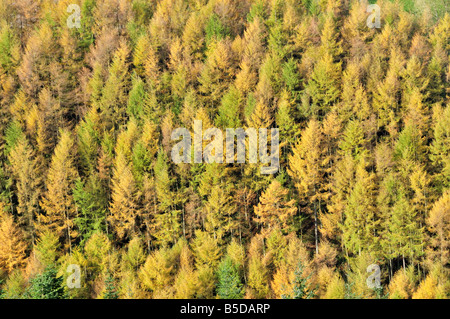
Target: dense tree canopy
<point>86,176</point>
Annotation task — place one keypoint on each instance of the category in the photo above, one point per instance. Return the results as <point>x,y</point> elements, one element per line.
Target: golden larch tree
<point>274,209</point>
<point>12,245</point>
<point>57,203</point>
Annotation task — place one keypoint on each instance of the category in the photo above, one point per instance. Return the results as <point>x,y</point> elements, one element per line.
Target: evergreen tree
<point>90,200</point>
<point>110,289</point>
<point>229,284</point>
<point>46,286</point>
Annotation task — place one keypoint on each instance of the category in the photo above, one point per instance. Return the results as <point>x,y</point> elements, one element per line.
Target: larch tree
<point>360,217</point>
<point>88,141</point>
<point>354,96</point>
<point>141,53</point>
<point>124,209</point>
<point>9,44</point>
<point>386,95</point>
<point>220,213</point>
<point>431,287</point>
<point>405,233</point>
<point>330,43</point>
<point>47,248</point>
<point>258,276</point>
<point>323,87</point>
<point>438,223</point>
<point>114,94</point>
<point>230,110</point>
<point>207,254</point>
<point>33,72</point>
<point>50,119</point>
<point>28,183</point>
<point>261,117</point>
<point>353,142</point>
<point>57,202</point>
<point>294,274</point>
<point>285,119</point>
<point>416,111</point>
<point>218,71</point>
<point>193,36</point>
<point>440,146</point>
<point>274,209</point>
<point>401,286</point>
<point>254,35</point>
<point>137,99</point>
<point>186,280</point>
<point>152,69</point>
<point>12,245</point>
<point>167,219</point>
<point>245,199</point>
<point>306,167</point>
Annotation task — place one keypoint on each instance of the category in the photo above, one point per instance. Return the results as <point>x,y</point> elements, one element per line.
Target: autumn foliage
<point>86,175</point>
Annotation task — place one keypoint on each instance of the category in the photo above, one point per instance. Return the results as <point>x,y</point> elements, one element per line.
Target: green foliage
<point>229,284</point>
<point>258,9</point>
<point>137,99</point>
<point>46,286</point>
<point>379,293</point>
<point>409,145</point>
<point>229,110</point>
<point>214,29</point>
<point>13,134</point>
<point>290,75</point>
<point>110,289</point>
<point>8,47</point>
<point>2,293</point>
<point>90,200</point>
<point>87,21</point>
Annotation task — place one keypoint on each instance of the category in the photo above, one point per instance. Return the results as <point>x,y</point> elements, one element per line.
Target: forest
<point>92,206</point>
